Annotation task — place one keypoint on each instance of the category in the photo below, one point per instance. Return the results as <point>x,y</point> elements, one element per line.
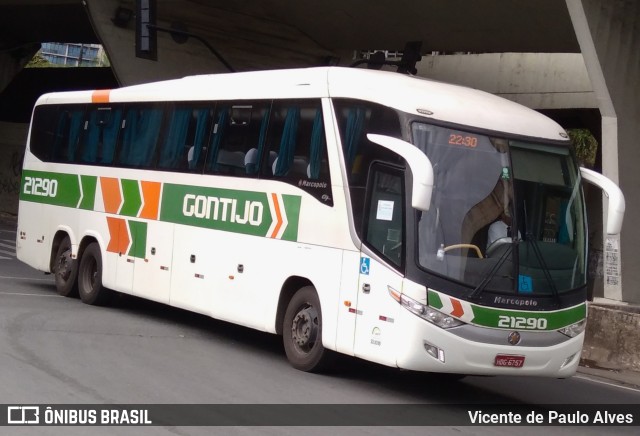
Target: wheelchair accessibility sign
<point>365,263</point>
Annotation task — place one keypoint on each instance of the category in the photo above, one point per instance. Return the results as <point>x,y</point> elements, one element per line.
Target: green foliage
<point>584,145</point>
<point>38,61</point>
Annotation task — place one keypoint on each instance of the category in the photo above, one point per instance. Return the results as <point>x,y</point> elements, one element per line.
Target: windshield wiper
<point>543,264</point>
<point>492,272</point>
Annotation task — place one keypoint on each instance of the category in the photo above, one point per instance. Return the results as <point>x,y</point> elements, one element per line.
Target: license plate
<point>509,360</point>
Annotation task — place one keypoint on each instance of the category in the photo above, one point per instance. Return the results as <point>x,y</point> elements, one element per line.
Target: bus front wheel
<point>90,277</point>
<point>65,270</point>
<point>302,332</point>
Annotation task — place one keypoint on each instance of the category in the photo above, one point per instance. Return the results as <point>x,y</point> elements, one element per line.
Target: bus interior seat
<point>299,166</point>
<point>251,161</point>
<point>190,157</point>
<point>234,160</point>
<point>272,157</point>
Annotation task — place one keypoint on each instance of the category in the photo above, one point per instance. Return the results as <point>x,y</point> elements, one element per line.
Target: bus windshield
<point>506,216</point>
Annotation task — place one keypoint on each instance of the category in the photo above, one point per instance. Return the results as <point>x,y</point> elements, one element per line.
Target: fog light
<point>434,351</point>
<point>568,360</point>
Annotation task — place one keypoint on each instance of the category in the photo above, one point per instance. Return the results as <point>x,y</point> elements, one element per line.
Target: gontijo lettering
<point>223,209</point>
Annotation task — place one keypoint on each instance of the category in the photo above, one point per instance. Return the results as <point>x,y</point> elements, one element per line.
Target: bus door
<point>381,262</point>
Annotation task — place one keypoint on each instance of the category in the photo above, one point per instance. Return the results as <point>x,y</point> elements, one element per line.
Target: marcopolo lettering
<point>223,209</point>
<point>515,301</point>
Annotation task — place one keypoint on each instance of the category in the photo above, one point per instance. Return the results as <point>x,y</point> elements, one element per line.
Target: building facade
<point>73,55</point>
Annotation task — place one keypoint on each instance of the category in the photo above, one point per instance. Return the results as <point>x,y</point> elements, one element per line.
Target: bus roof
<point>419,96</point>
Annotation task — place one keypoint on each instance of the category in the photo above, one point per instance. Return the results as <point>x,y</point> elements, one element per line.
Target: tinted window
<point>184,143</point>
<point>67,128</point>
<point>385,213</point>
<point>355,120</point>
<point>43,131</point>
<point>296,149</point>
<point>100,135</point>
<point>238,138</point>
<point>139,136</point>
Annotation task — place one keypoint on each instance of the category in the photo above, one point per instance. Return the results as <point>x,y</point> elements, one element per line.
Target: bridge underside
<point>275,34</point>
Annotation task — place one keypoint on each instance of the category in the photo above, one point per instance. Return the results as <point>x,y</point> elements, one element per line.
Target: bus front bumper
<point>422,346</point>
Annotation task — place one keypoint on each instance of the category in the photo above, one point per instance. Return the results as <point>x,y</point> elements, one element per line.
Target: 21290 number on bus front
<point>40,187</point>
<point>520,322</point>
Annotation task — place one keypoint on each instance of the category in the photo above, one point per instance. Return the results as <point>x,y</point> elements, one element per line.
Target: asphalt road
<point>57,350</point>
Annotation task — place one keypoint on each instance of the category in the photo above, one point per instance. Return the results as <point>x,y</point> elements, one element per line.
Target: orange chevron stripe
<point>151,198</point>
<point>118,235</point>
<point>100,96</point>
<point>457,311</point>
<point>276,206</point>
<point>111,194</point>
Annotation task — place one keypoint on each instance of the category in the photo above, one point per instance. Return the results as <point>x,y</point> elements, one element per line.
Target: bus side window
<point>238,137</point>
<point>355,120</point>
<point>385,213</point>
<point>100,135</point>
<point>184,143</point>
<point>298,148</point>
<point>141,129</point>
<point>69,127</point>
<point>44,130</point>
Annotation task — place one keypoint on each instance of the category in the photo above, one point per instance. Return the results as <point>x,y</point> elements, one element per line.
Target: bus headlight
<point>425,312</point>
<point>575,329</point>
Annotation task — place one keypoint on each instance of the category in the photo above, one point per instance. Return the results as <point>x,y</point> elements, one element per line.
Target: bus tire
<point>65,270</point>
<point>302,332</point>
<point>90,285</point>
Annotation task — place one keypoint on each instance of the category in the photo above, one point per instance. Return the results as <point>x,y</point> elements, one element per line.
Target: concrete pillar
<point>14,60</point>
<point>12,143</point>
<point>536,80</point>
<point>609,39</point>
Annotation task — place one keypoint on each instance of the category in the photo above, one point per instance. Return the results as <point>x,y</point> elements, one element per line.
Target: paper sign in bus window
<point>385,210</point>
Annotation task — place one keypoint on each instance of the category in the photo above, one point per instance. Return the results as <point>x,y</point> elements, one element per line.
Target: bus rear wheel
<point>65,270</point>
<point>302,332</point>
<point>90,285</point>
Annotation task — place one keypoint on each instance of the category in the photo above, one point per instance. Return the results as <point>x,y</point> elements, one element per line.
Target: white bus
<point>347,210</point>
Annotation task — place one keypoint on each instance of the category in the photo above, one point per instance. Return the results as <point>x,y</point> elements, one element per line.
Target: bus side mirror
<point>615,212</point>
<point>420,165</point>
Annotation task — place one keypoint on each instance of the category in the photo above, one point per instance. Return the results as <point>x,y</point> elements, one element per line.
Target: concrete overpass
<point>277,34</point>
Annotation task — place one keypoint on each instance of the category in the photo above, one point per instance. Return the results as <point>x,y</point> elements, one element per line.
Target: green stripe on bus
<point>491,317</point>
<point>433,299</point>
<point>50,188</point>
<point>245,212</point>
<point>89,184</point>
<point>138,231</point>
<point>132,198</point>
<point>513,319</point>
<point>292,210</point>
